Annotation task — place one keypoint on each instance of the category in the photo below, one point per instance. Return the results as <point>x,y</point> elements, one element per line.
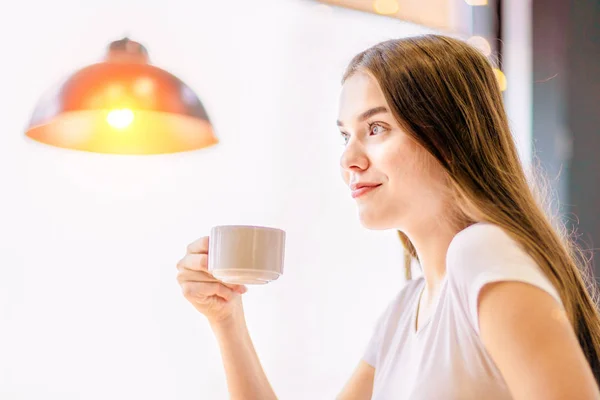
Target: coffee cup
<point>245,254</point>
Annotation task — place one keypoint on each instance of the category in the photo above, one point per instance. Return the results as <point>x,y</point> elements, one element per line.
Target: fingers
<point>188,276</point>
<point>200,291</point>
<point>194,276</point>
<point>193,268</point>
<point>199,246</point>
<point>194,262</point>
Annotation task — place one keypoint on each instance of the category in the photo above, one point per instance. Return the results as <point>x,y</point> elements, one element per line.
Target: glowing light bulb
<point>481,44</point>
<point>501,78</point>
<point>386,7</point>
<point>120,119</point>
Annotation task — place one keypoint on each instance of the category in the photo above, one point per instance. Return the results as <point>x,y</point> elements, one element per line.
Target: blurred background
<point>89,304</point>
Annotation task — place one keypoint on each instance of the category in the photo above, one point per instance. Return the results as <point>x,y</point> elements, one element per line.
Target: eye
<point>376,129</point>
<point>345,137</point>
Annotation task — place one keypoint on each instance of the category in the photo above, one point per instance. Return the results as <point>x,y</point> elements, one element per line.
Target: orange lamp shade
<point>122,105</point>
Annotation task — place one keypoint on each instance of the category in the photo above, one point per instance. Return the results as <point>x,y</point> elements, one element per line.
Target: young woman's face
<point>403,182</point>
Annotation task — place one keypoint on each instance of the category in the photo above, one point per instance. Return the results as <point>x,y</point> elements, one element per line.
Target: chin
<point>374,222</point>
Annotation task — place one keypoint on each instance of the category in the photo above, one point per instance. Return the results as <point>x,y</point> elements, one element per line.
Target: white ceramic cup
<point>246,255</point>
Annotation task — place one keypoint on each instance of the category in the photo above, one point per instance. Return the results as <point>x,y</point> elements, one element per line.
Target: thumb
<point>241,289</point>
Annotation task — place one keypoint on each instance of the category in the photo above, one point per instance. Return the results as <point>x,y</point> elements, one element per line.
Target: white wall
<point>89,305</point>
<point>519,72</point>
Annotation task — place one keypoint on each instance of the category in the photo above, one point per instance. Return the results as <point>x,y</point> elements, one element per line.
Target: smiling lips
<point>361,188</point>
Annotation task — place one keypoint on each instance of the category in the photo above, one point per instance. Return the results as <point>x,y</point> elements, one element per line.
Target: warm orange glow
<point>120,119</point>
<point>476,2</point>
<point>150,133</point>
<point>144,86</point>
<point>122,105</point>
<point>386,7</point>
<point>481,44</point>
<point>114,92</point>
<point>501,79</point>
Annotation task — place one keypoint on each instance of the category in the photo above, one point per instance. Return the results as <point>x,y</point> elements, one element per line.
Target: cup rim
<point>253,227</point>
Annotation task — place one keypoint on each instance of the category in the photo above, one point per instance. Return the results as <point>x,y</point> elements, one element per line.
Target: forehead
<point>360,92</point>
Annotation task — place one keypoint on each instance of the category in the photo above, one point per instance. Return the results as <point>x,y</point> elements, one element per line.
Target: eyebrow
<point>367,114</point>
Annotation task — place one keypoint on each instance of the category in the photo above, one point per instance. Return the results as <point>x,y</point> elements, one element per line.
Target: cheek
<point>415,181</point>
<point>403,171</point>
<point>395,164</point>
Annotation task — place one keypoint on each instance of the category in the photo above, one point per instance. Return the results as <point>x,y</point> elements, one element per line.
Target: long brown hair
<point>445,94</point>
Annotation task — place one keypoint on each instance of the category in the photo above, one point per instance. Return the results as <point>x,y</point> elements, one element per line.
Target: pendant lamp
<point>122,105</point>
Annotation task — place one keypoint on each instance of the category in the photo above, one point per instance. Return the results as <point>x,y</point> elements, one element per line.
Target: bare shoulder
<point>520,326</point>
<point>360,384</point>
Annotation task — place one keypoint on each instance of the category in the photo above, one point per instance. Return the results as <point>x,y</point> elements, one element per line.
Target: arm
<point>530,339</point>
<point>360,385</point>
<point>246,379</point>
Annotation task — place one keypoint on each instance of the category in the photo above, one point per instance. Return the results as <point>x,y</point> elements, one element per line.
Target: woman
<point>502,310</point>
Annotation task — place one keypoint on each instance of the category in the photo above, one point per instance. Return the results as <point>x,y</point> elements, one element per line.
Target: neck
<point>431,243</point>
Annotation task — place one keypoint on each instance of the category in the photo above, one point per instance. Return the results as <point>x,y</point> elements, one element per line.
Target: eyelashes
<point>373,125</point>
<point>375,129</point>
<point>345,137</point>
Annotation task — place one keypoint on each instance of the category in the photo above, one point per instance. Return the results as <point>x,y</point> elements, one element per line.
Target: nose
<point>354,157</point>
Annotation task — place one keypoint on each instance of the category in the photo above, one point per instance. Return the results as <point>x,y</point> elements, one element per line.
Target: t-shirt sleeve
<point>485,253</point>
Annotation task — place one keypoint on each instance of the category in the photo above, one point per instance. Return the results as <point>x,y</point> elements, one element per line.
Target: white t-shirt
<point>445,358</point>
